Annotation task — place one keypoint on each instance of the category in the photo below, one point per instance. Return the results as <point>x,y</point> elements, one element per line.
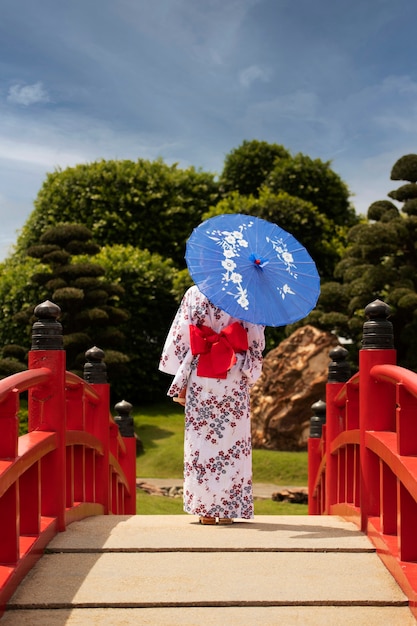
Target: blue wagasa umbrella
<point>252,269</point>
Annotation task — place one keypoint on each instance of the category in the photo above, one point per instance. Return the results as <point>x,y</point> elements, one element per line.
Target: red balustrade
<point>364,463</point>
<point>72,463</point>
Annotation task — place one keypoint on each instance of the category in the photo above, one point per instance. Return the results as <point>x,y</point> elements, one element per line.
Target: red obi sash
<point>217,350</point>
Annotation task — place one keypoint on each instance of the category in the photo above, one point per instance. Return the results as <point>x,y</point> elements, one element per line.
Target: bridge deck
<point>170,570</point>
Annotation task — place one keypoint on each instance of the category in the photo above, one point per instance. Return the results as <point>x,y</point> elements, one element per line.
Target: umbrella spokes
<point>258,261</point>
<point>253,269</point>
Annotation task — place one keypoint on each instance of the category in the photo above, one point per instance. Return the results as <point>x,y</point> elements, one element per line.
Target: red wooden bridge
<point>77,461</point>
<point>363,459</point>
<point>73,462</point>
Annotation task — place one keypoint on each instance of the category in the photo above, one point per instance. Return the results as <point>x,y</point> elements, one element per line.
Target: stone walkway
<point>168,570</point>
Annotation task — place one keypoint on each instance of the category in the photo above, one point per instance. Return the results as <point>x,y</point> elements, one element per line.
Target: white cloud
<point>252,73</point>
<point>296,107</point>
<point>389,105</point>
<point>61,138</point>
<point>400,85</point>
<point>27,94</point>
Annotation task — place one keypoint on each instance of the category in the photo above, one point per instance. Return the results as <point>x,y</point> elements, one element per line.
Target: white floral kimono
<point>217,442</point>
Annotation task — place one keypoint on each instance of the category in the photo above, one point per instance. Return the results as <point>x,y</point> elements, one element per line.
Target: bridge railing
<point>76,460</point>
<point>363,453</point>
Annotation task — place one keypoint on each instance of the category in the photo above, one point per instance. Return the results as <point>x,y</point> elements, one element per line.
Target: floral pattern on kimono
<point>217,440</point>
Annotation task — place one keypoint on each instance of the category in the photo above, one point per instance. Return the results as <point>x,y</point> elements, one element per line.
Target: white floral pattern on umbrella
<point>253,269</point>
<point>231,242</point>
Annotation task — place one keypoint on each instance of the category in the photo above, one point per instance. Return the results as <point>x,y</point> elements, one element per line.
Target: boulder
<point>294,377</point>
<point>294,496</point>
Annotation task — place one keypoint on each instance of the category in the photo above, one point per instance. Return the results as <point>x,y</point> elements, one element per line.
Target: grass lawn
<point>161,430</point>
<point>163,505</point>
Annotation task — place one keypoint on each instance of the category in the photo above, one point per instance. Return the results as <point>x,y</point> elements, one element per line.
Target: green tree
<point>143,283</point>
<point>147,280</point>
<point>405,168</point>
<point>13,359</point>
<point>247,167</point>
<point>314,181</point>
<point>141,214</point>
<point>145,204</point>
<point>380,262</point>
<point>91,314</point>
<point>17,295</point>
<point>323,239</point>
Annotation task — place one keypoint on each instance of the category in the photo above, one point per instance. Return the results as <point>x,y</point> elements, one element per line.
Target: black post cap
<point>377,330</point>
<point>95,371</point>
<point>124,419</point>
<point>318,419</point>
<point>47,331</point>
<point>339,368</point>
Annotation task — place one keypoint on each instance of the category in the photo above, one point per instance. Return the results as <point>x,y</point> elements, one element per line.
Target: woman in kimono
<point>215,359</point>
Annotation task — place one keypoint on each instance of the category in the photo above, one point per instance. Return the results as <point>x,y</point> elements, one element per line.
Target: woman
<point>215,359</point>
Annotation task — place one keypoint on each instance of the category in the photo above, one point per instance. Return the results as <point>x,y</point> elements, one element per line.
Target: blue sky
<point>189,80</point>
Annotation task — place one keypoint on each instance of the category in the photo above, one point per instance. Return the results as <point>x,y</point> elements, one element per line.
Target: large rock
<point>294,376</point>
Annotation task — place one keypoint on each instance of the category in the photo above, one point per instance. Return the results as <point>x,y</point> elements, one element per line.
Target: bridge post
<point>338,375</point>
<point>47,408</point>
<point>95,373</point>
<point>314,444</point>
<point>124,420</point>
<point>376,402</point>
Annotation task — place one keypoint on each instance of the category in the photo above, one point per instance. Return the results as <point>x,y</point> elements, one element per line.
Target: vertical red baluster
<point>388,501</point>
<point>9,501</point>
<point>30,511</point>
<point>9,535</point>
<point>407,525</point>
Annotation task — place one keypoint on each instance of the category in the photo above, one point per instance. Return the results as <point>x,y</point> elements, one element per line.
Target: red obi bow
<point>217,350</point>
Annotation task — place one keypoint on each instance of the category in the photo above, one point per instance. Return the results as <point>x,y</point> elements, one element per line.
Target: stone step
<point>171,570</point>
<point>206,616</point>
<point>183,532</point>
